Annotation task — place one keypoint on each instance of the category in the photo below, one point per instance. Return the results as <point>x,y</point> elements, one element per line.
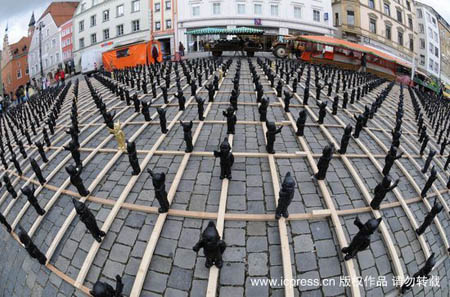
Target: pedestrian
<point>181,49</point>
<point>363,63</point>
<point>155,54</point>
<point>62,77</point>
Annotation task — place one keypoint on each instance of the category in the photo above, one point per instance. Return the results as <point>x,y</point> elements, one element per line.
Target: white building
<point>101,25</point>
<point>46,40</point>
<point>429,41</point>
<point>274,16</point>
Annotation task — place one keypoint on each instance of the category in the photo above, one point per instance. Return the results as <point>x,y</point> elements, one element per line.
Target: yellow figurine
<point>220,74</point>
<point>119,135</point>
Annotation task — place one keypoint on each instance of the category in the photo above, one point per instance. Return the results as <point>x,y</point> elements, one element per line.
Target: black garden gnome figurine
<point>381,190</point>
<point>187,130</point>
<point>162,120</point>
<point>231,119</point>
<point>41,151</point>
<point>429,182</point>
<point>37,171</point>
<point>362,239</point>
<point>431,154</point>
<point>16,163</point>
<point>76,180</point>
<point>226,159</point>
<point>29,192</point>
<point>88,218</point>
<point>146,111</point>
<point>287,100</point>
<point>73,148</point>
<point>132,157</point>
<point>271,133</point>
<point>322,111</point>
<point>391,156</point>
<point>5,223</point>
<point>285,196</point>
<point>102,289</point>
<point>213,246</point>
<point>435,210</point>
<point>159,180</point>
<point>200,107</point>
<point>263,109</point>
<point>345,139</point>
<point>31,248</point>
<point>324,161</point>
<point>423,274</point>
<point>301,123</point>
<point>9,186</point>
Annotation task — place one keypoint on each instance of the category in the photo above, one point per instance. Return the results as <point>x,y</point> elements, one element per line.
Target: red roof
<point>61,12</point>
<point>331,41</point>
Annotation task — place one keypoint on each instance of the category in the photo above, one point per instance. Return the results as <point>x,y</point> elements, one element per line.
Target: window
<point>274,10</point>
<point>216,8</point>
<point>400,38</point>
<point>81,41</point>
<point>47,32</point>
<point>106,15</point>
<point>387,9</point>
<point>241,8</point>
<point>93,38</point>
<point>431,64</point>
<point>19,73</point>
<point>119,11</point>
<point>52,59</point>
<point>436,66</point>
<point>420,15</point>
<point>168,24</point>
<point>106,34</point>
<point>119,30</point>
<point>371,4</point>
<point>421,28</point>
<point>157,7</point>
<point>297,12</point>
<point>53,43</point>
<point>316,15</point>
<point>83,6</point>
<point>434,21</point>
<point>46,60</point>
<point>399,16</point>
<point>431,48</point>
<point>336,19</point>
<point>135,26</point>
<point>435,36</point>
<point>195,10</point>
<point>81,26</point>
<point>351,17</point>
<point>411,44</point>
<point>158,26</point>
<point>57,57</point>
<point>436,52</point>
<point>168,5</point>
<point>388,32</point>
<point>258,9</point>
<point>410,23</point>
<point>93,20</point>
<point>422,43</point>
<point>373,26</point>
<point>422,60</point>
<point>135,6</point>
<point>430,32</point>
<point>408,5</point>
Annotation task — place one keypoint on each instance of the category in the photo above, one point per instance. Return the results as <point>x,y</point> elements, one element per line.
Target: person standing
<point>181,49</point>
<point>62,77</point>
<point>155,54</point>
<point>363,63</point>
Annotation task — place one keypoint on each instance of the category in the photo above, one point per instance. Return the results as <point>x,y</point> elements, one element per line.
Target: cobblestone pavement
<point>254,245</point>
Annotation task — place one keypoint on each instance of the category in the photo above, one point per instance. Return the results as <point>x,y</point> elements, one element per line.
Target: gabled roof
<point>61,12</point>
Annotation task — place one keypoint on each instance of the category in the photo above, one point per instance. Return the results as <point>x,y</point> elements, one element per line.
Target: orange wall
<point>10,70</point>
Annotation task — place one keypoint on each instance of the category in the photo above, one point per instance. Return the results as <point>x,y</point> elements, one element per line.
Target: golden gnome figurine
<point>119,135</point>
<point>220,74</point>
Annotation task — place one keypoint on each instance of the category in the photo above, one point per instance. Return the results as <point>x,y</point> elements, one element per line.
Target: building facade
<point>444,36</point>
<point>67,45</point>
<point>162,16</point>
<point>279,17</point>
<point>14,62</point>
<point>429,49</point>
<point>101,25</point>
<point>387,25</point>
<point>45,48</point>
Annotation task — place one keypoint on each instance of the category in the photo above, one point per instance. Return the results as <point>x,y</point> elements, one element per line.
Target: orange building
<point>15,62</point>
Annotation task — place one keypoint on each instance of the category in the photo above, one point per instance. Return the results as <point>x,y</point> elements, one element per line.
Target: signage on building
<point>258,22</point>
<point>106,44</point>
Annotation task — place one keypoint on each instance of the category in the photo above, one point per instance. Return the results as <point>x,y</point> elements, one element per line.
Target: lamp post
<point>40,26</point>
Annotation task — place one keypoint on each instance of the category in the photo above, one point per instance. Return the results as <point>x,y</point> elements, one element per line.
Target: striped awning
<point>233,31</point>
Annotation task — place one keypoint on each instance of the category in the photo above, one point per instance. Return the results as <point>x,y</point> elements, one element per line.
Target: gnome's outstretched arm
<point>198,246</point>
<point>358,223</point>
<point>119,286</point>
<point>394,185</point>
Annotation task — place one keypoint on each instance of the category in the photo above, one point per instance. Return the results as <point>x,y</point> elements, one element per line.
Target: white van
<point>91,61</point>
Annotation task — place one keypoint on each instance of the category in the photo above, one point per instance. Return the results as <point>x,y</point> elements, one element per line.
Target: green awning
<point>234,31</point>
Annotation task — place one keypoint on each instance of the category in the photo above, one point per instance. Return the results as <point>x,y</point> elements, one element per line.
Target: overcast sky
<point>17,14</point>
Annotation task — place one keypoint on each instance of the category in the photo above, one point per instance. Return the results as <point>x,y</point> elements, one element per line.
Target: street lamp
<point>40,26</point>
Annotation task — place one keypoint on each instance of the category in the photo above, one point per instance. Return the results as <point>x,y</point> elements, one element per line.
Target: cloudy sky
<point>17,14</point>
